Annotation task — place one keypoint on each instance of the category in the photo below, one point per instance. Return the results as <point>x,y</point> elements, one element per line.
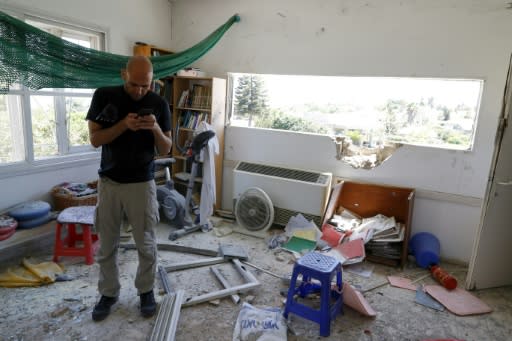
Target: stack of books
<point>387,243</point>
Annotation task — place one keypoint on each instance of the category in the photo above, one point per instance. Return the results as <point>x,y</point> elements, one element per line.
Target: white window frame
<point>230,106</point>
<point>68,156</point>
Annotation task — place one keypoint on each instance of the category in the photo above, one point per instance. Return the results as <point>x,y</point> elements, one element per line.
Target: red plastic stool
<point>68,220</point>
<point>323,269</point>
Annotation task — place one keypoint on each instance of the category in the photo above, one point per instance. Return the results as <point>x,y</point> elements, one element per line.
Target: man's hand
<point>148,122</point>
<point>135,122</point>
<point>163,140</point>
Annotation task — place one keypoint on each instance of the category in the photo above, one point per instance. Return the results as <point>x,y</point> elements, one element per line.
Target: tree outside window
<point>369,111</point>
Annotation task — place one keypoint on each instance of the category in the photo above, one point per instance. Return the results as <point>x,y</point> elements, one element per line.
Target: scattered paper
<point>298,225</point>
<point>424,299</point>
<point>348,252</point>
<point>361,233</point>
<point>308,234</point>
<point>331,236</point>
<point>343,223</point>
<point>299,245</point>
<point>352,250</point>
<point>401,282</point>
<point>458,301</point>
<point>355,300</point>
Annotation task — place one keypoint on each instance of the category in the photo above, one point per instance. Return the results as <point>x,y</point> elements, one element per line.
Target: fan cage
<point>254,210</point>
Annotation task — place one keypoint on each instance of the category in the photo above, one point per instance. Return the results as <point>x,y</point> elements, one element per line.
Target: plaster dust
<point>62,310</point>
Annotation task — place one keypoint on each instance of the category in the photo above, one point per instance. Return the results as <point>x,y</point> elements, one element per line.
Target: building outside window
<point>370,111</point>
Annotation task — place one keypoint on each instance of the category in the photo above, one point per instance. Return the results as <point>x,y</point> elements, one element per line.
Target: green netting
<point>37,59</point>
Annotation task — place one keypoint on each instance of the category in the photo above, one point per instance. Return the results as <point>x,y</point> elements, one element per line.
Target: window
<point>36,127</point>
<point>12,146</point>
<point>370,111</point>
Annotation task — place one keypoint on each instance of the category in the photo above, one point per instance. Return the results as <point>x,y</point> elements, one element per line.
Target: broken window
<point>371,115</point>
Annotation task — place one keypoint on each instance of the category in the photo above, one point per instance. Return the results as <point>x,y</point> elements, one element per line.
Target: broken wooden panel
<point>368,200</point>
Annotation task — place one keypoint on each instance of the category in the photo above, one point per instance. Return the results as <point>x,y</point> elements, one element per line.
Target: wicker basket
<point>63,199</point>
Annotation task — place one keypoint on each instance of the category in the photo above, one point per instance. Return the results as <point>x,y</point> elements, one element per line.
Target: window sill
<point>50,164</point>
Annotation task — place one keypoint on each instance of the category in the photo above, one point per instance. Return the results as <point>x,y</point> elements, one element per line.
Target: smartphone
<point>145,111</point>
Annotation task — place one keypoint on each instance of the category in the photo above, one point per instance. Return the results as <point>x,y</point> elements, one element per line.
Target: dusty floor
<point>62,311</point>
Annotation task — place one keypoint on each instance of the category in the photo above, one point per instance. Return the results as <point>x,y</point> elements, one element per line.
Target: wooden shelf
<point>194,109</point>
<point>209,105</point>
<point>368,200</point>
<point>148,50</point>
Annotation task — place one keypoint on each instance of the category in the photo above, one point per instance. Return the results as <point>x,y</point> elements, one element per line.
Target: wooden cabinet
<point>368,200</point>
<point>143,49</point>
<point>197,99</point>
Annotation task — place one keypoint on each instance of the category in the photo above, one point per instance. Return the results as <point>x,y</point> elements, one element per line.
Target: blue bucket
<point>425,248</point>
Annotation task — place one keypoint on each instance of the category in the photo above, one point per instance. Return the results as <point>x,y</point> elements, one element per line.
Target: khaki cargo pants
<point>136,201</point>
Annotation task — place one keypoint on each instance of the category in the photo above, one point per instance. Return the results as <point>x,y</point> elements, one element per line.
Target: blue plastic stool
<point>322,269</point>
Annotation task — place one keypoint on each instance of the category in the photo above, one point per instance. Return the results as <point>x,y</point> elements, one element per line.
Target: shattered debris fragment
<point>362,156</point>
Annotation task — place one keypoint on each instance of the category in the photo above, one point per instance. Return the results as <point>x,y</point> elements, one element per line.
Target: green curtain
<point>38,59</point>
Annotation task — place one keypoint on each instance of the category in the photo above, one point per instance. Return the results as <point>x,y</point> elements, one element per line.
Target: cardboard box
<point>368,200</point>
<point>191,73</point>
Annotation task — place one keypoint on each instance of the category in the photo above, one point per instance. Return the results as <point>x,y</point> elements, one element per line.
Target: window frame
<point>68,155</point>
<point>231,102</point>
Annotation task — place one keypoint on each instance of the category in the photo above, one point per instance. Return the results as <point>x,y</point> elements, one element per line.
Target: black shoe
<point>147,304</point>
<point>102,309</point>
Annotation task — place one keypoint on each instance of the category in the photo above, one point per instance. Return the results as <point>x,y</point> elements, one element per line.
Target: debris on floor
<point>373,306</point>
<point>426,300</point>
<point>458,301</point>
<point>30,274</point>
<point>401,282</point>
<point>355,300</point>
<point>255,323</point>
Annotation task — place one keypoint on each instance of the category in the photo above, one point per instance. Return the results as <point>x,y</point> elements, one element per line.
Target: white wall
<point>438,38</point>
<point>125,22</point>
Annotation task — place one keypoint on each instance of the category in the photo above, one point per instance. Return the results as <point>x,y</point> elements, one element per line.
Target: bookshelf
<point>191,100</point>
<point>148,50</point>
<point>197,99</point>
<point>368,200</point>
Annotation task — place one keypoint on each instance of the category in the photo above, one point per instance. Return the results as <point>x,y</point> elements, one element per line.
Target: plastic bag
<point>260,324</point>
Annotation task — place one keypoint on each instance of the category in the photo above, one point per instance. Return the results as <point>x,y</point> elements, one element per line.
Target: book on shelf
<point>196,89</point>
<point>167,90</point>
<point>163,87</point>
<point>190,119</point>
<point>184,99</point>
<point>201,96</point>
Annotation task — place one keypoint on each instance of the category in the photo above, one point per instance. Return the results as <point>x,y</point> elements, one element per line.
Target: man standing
<point>128,122</point>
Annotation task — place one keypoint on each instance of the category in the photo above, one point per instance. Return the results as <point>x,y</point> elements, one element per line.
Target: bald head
<point>139,63</point>
<point>137,76</point>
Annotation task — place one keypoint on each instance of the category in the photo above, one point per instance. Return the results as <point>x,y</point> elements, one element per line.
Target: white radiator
<point>292,191</point>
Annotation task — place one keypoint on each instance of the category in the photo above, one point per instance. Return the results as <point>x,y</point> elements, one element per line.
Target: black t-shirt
<point>128,158</point>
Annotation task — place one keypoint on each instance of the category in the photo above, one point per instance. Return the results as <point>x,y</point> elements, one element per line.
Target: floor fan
<point>254,213</point>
